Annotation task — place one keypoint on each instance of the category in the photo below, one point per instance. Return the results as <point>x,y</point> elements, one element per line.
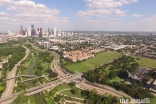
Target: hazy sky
<point>94,15</point>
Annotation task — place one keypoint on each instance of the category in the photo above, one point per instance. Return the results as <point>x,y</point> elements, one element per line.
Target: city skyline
<point>80,15</point>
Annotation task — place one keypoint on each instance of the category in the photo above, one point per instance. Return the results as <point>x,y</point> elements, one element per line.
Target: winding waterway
<point>30,70</point>
<point>39,98</point>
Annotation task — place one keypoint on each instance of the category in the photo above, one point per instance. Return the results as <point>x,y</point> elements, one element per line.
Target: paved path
<point>11,83</point>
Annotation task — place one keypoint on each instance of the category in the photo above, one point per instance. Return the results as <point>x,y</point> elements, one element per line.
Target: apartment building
<point>77,55</point>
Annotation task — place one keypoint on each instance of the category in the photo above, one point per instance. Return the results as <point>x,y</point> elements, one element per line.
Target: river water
<point>30,70</point>
<point>39,98</point>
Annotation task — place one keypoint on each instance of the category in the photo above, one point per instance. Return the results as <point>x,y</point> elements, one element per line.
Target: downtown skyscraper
<point>21,30</point>
<point>32,30</point>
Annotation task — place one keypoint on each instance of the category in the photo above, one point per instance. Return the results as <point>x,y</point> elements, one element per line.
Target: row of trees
<point>135,90</point>
<point>93,98</point>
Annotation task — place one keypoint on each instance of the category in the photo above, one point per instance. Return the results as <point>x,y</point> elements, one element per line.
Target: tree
<point>123,74</point>
<point>75,90</point>
<point>146,78</point>
<point>85,93</point>
<point>72,84</point>
<point>21,99</point>
<point>46,99</point>
<point>58,98</point>
<point>52,92</point>
<point>112,74</point>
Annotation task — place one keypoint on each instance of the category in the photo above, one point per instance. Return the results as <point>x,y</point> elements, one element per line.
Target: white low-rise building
<point>46,45</point>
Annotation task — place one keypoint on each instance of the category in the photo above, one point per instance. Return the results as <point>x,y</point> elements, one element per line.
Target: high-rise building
<point>29,31</point>
<point>48,32</point>
<point>54,31</point>
<point>21,30</point>
<point>59,32</point>
<point>41,32</point>
<point>32,26</point>
<point>26,32</point>
<point>32,30</point>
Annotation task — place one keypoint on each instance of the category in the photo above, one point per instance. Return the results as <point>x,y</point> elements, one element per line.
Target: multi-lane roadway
<point>11,83</point>
<point>63,78</point>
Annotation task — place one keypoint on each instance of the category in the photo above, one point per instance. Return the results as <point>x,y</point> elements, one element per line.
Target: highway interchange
<point>63,77</point>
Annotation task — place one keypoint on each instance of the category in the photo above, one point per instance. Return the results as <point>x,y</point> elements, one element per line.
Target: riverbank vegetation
<point>23,99</point>
<point>42,67</point>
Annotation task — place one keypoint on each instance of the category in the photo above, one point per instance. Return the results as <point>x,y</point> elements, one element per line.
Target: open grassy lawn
<point>78,67</point>
<point>116,79</point>
<point>46,66</point>
<point>99,59</point>
<point>153,101</point>
<point>146,62</point>
<point>62,86</point>
<point>68,93</point>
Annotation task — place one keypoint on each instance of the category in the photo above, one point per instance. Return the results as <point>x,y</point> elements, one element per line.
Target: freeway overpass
<point>51,85</point>
<point>64,77</point>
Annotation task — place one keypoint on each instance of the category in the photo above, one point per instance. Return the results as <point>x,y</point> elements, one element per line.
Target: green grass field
<point>116,79</point>
<point>153,101</point>
<point>68,93</point>
<point>62,86</point>
<point>146,62</point>
<point>99,59</point>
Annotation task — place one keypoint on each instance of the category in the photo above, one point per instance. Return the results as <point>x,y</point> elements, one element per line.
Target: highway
<point>56,65</point>
<point>65,77</point>
<point>11,83</point>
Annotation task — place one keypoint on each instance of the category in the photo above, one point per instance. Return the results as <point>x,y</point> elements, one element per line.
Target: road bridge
<point>28,76</point>
<point>64,77</point>
<point>32,78</point>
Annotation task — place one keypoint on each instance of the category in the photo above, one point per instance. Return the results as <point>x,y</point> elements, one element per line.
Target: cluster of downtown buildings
<point>39,32</point>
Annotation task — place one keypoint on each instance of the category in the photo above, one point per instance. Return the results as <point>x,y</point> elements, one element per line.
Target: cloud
<point>101,13</point>
<point>4,2</point>
<point>25,11</point>
<point>4,14</point>
<point>128,1</point>
<point>103,3</point>
<point>138,15</point>
<point>108,3</point>
<point>119,12</point>
<point>97,12</point>
<point>104,8</point>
